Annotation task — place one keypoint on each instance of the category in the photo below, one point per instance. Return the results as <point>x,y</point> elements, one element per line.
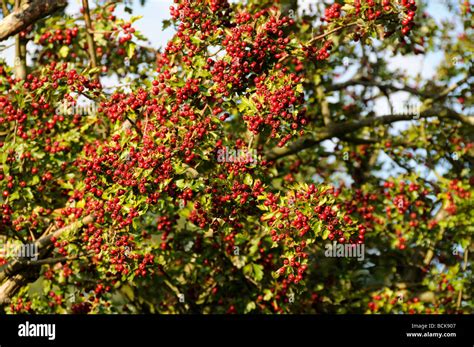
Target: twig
<point>466,255</point>
<point>335,30</point>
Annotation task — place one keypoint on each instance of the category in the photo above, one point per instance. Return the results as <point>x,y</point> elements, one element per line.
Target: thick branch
<point>27,14</point>
<point>45,241</point>
<point>18,272</point>
<point>10,287</point>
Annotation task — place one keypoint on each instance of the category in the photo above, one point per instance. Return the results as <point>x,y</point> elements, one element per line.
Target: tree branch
<point>18,272</point>
<point>27,14</point>
<point>335,30</point>
<point>89,35</point>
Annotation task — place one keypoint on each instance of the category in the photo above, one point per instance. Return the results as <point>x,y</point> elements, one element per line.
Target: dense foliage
<point>213,175</point>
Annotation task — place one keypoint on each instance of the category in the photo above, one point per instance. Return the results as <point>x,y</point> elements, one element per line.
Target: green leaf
<point>465,243</point>
<point>28,193</point>
<point>250,307</point>
<point>247,270</point>
<point>135,18</point>
<point>325,233</point>
<point>131,49</point>
<point>181,184</point>
<point>128,291</point>
<point>248,180</point>
<point>14,196</point>
<point>299,88</point>
<point>240,239</point>
<point>258,272</point>
<point>254,247</point>
<point>268,295</point>
<point>166,24</point>
<point>64,51</point>
<point>93,70</point>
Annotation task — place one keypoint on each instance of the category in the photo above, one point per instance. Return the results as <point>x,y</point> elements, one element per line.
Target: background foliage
<point>135,211</point>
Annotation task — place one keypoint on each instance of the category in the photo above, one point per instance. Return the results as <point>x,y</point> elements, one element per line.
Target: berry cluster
<point>374,10</point>
<point>367,10</point>
<point>127,33</point>
<point>249,51</point>
<point>199,19</point>
<point>308,210</point>
<point>276,108</point>
<point>165,225</point>
<point>21,306</point>
<point>409,13</point>
<point>332,12</point>
<point>40,123</point>
<point>319,54</point>
<point>58,36</point>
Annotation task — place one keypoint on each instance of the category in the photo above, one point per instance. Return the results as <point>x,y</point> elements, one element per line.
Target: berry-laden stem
<point>320,37</point>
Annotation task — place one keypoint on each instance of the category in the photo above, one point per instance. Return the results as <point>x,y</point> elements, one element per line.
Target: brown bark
<point>17,273</point>
<point>28,13</point>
